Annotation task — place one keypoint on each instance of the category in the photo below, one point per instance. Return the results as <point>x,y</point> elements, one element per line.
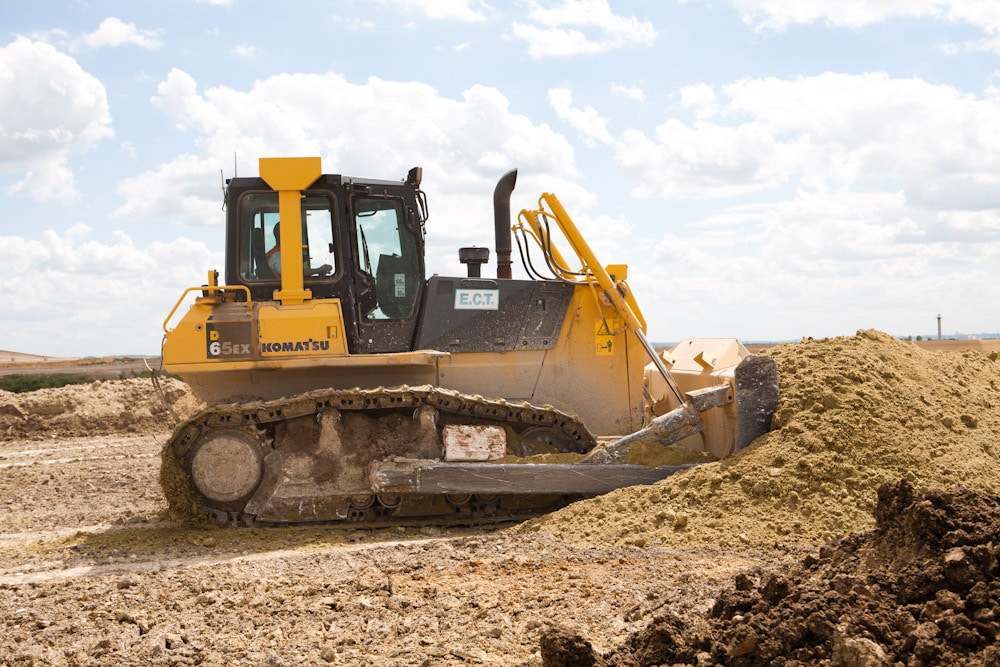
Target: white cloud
<point>580,27</point>
<point>591,125</point>
<point>246,50</point>
<point>780,14</point>
<point>876,200</point>
<point>701,98</point>
<point>61,110</point>
<point>990,45</point>
<point>464,146</point>
<point>49,36</point>
<point>291,113</point>
<point>941,146</point>
<point>188,190</point>
<point>446,10</point>
<point>633,93</point>
<point>701,160</point>
<point>113,32</point>
<point>68,292</point>
<point>823,261</point>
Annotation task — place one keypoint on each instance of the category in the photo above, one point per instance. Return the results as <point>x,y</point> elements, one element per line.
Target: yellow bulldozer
<point>344,384</point>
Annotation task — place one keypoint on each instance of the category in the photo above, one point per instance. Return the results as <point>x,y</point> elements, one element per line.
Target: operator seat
<point>261,270</point>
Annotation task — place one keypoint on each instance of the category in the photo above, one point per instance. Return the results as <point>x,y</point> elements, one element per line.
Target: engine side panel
<point>484,315</point>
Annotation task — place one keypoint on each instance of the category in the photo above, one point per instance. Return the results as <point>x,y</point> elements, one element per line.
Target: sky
<point>768,169</point>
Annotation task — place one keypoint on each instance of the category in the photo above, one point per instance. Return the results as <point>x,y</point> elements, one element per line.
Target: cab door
<point>388,270</point>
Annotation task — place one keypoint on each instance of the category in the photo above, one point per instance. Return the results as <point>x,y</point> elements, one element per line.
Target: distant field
<point>98,368</point>
<point>990,345</point>
<point>21,358</point>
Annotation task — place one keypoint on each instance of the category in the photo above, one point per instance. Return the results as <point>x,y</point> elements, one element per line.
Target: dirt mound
<point>921,589</point>
<point>98,408</point>
<point>855,412</point>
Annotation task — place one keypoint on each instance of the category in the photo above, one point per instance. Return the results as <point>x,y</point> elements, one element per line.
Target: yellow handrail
<point>210,289</point>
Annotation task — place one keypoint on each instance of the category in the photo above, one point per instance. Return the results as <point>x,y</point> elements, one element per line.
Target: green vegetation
<point>22,383</point>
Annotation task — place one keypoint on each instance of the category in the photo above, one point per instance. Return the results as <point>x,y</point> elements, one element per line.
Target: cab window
<point>389,256</point>
<point>259,250</point>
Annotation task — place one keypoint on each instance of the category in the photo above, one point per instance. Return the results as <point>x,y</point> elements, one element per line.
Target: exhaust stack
<point>501,218</point>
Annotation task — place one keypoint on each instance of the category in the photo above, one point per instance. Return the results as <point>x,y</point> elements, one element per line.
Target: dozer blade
<point>754,390</point>
<point>757,394</point>
<point>667,429</point>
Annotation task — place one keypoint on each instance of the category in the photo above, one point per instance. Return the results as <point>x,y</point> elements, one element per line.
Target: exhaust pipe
<point>501,221</point>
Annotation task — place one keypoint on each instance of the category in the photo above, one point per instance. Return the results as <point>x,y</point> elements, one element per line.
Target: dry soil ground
<point>727,563</point>
<point>91,574</point>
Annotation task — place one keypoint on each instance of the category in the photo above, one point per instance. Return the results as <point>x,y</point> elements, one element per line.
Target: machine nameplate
<point>309,345</point>
<point>227,340</point>
<point>477,299</point>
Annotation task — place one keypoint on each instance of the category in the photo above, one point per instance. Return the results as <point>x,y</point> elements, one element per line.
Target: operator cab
<point>362,243</point>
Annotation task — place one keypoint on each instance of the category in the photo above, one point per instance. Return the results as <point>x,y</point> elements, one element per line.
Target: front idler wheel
<point>226,467</point>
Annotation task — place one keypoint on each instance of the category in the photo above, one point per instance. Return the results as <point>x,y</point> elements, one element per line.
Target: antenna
<point>225,188</point>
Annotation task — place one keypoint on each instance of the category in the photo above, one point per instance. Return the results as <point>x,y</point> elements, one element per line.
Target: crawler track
<point>338,435</point>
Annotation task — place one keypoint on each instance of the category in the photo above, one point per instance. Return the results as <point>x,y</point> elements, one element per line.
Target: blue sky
<point>769,169</point>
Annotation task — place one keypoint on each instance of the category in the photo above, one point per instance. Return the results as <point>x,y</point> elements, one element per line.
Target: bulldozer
<point>345,384</point>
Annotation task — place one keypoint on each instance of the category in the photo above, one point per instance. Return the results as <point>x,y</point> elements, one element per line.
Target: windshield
<point>260,253</point>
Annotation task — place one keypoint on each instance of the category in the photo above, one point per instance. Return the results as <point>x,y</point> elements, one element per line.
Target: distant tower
<point>939,326</point>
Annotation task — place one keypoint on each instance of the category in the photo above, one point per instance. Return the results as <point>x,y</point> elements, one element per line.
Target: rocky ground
<point>862,530</point>
<point>919,590</point>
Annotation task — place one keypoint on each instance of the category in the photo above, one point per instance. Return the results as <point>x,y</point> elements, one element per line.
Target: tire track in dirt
<point>55,571</point>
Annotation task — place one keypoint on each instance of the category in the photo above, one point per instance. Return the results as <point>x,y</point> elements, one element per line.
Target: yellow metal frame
<point>615,291</point>
<point>289,176</point>
<point>317,327</point>
<point>615,288</point>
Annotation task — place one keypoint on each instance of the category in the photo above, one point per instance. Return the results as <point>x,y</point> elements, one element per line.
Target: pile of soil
<point>855,412</point>
<point>98,408</point>
<point>920,589</point>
